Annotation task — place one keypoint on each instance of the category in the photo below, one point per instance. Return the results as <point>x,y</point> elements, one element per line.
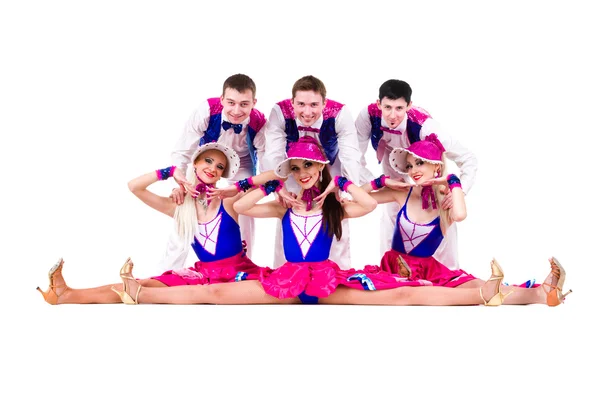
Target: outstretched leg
<point>414,296</point>
<point>245,292</point>
<point>59,292</point>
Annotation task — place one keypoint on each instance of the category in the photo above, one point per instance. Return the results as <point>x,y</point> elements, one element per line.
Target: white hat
<point>233,160</point>
<point>430,150</point>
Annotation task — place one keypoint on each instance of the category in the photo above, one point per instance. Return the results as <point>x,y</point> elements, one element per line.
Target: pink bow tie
<point>308,129</point>
<point>309,195</point>
<point>393,132</point>
<point>428,198</point>
<point>202,188</point>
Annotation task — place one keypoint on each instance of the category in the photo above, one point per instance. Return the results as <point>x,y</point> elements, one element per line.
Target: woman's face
<point>306,172</point>
<point>210,165</point>
<point>420,170</point>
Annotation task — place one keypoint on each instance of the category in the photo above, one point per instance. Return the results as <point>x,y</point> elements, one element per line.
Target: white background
<point>93,94</point>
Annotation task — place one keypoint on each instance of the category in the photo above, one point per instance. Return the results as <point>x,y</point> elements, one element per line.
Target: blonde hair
<point>185,217</point>
<point>445,220</point>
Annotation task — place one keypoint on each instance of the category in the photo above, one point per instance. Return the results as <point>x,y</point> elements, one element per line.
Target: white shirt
<point>194,130</point>
<point>349,154</point>
<point>464,158</point>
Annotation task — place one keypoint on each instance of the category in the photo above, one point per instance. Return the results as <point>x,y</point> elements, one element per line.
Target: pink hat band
<point>426,150</point>
<point>307,150</point>
<point>429,150</point>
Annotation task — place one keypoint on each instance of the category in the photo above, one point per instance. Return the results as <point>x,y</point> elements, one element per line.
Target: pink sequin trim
<point>373,110</point>
<point>214,103</point>
<point>257,120</point>
<point>332,109</point>
<point>287,109</point>
<point>418,114</point>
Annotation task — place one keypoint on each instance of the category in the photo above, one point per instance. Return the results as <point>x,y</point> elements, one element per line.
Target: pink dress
<point>415,244</point>
<point>309,274</point>
<point>218,245</point>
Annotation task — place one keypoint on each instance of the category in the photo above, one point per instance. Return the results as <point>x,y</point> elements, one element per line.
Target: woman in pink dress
<point>209,225</point>
<point>421,224</point>
<point>308,228</point>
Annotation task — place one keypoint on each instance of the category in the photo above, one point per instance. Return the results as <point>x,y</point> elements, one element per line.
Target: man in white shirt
<point>393,122</point>
<point>310,113</point>
<point>231,120</point>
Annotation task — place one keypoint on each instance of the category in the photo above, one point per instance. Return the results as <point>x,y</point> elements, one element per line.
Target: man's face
<point>236,105</point>
<point>308,106</point>
<point>393,111</point>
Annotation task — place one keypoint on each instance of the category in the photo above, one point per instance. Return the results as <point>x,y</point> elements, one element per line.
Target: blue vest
<point>415,118</point>
<point>213,131</point>
<point>327,134</point>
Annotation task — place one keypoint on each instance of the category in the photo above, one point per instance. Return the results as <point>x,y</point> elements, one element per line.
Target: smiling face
<point>306,172</point>
<point>308,106</point>
<point>419,170</point>
<point>237,105</point>
<point>393,111</point>
<point>210,165</point>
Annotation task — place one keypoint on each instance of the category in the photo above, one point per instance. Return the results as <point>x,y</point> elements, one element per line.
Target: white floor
<point>297,352</point>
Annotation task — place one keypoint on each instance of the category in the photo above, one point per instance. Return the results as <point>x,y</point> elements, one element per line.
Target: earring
<point>321,176</point>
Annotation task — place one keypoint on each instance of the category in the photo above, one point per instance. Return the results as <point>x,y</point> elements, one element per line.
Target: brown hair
<point>333,212</point>
<point>241,83</point>
<point>309,83</point>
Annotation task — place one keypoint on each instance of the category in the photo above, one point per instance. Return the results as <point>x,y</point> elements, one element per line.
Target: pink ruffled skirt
<point>232,269</point>
<point>320,279</point>
<point>426,270</point>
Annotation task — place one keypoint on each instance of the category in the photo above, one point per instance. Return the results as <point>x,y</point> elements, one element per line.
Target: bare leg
<point>519,295</point>
<point>539,295</point>
<point>100,294</point>
<point>246,292</point>
<point>475,283</point>
<point>437,295</point>
<point>60,293</point>
<point>409,296</point>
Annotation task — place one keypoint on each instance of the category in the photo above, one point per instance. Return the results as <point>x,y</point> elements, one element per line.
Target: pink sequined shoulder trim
<point>257,120</point>
<point>214,103</point>
<point>374,111</point>
<point>418,114</point>
<point>332,109</point>
<point>286,108</point>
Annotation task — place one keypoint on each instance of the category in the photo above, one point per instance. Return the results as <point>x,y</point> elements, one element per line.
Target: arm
<point>138,187</point>
<point>235,188</point>
<point>349,154</point>
<point>394,190</point>
<point>190,138</point>
<point>458,212</point>
<point>363,203</point>
<point>359,206</point>
<point>247,205</point>
<point>452,184</point>
<point>275,140</point>
<point>260,144</point>
<point>363,131</point>
<point>464,158</point>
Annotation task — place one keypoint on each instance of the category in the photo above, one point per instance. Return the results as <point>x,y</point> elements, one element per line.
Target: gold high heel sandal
<point>50,294</point>
<point>126,276</point>
<point>497,275</point>
<point>555,296</point>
